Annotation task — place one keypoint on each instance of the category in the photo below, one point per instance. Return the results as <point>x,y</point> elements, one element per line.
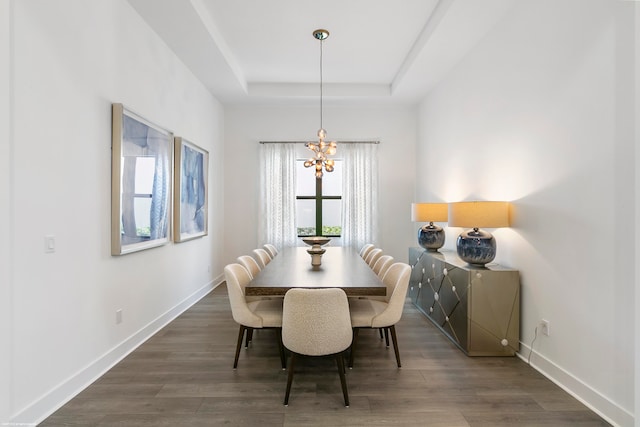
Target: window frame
<point>319,198</point>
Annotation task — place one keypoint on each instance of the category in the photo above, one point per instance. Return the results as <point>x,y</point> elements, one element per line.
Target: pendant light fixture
<point>321,148</point>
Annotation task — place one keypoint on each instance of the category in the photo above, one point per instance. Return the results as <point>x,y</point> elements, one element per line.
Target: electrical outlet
<point>118,316</point>
<point>545,327</point>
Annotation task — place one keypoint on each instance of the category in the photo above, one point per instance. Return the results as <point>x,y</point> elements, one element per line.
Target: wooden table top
<point>341,268</point>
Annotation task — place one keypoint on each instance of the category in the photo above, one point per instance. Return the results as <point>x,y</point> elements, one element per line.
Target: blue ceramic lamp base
<point>476,246</point>
<point>431,237</point>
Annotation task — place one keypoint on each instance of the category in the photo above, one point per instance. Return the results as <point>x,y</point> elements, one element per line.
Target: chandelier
<point>321,149</point>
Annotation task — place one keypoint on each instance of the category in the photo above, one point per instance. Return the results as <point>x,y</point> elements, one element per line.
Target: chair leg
<point>283,359</point>
<point>289,379</point>
<point>250,338</point>
<point>381,337</point>
<point>343,380</point>
<point>395,344</point>
<point>353,346</point>
<point>239,345</point>
<point>386,336</point>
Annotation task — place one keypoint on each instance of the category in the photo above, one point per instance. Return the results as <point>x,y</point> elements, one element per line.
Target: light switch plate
<point>49,244</point>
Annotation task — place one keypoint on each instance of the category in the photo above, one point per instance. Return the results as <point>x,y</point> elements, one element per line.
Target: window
<point>295,204</point>
<point>318,201</point>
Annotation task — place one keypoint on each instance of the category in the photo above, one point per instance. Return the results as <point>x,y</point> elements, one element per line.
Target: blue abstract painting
<point>191,190</point>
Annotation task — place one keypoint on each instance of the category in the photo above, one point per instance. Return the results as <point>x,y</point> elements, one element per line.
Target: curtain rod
<point>304,142</point>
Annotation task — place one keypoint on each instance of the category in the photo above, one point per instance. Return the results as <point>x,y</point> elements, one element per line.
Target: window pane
<point>332,181</point>
<point>331,217</point>
<point>305,180</point>
<point>306,217</point>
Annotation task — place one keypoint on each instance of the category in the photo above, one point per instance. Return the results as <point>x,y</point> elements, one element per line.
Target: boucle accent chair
<point>382,265</point>
<point>262,314</point>
<point>373,256</point>
<point>371,313</point>
<point>250,264</point>
<point>262,257</point>
<point>316,322</point>
<point>271,249</point>
<point>366,249</point>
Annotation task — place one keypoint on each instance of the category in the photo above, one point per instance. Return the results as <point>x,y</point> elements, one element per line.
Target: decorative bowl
<point>316,240</point>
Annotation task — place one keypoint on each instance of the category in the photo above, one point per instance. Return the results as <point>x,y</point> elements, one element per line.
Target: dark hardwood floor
<point>183,376</point>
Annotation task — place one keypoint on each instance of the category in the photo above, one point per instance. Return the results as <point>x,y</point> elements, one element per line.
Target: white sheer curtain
<point>278,194</point>
<point>359,193</point>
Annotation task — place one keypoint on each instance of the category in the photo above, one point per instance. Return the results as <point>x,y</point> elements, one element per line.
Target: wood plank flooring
<point>183,376</point>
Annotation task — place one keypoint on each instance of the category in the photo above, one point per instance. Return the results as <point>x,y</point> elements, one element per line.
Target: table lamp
<point>478,246</point>
<point>430,237</point>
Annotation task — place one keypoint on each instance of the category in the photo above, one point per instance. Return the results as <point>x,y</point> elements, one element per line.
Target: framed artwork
<point>190,192</point>
<point>141,183</point>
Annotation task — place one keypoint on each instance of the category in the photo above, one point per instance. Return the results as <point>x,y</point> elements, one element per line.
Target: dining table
<point>341,267</point>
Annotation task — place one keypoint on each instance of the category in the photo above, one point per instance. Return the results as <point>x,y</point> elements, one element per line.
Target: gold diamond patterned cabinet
<point>478,308</point>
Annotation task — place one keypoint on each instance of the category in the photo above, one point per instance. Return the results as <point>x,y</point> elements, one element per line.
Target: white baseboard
<point>593,399</point>
<point>57,397</point>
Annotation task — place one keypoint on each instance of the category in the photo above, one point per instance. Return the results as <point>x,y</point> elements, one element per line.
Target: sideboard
<point>478,308</point>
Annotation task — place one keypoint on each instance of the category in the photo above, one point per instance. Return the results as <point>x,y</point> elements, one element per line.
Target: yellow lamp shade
<point>429,212</point>
<point>479,214</point>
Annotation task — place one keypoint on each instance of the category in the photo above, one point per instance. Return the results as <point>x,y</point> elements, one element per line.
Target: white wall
<point>5,202</point>
<point>542,115</point>
<point>246,126</point>
<point>72,59</point>
<point>637,213</point>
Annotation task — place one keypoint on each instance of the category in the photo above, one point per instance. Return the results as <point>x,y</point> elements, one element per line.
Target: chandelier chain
<point>321,42</point>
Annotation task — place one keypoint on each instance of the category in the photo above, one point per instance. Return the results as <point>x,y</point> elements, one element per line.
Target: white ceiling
<point>379,51</point>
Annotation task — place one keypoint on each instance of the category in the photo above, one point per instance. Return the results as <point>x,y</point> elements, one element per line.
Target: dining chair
<point>253,268</point>
<point>373,256</point>
<point>382,265</point>
<point>250,264</point>
<point>371,313</point>
<point>262,257</point>
<point>316,322</point>
<point>262,314</point>
<point>271,249</point>
<point>366,249</point>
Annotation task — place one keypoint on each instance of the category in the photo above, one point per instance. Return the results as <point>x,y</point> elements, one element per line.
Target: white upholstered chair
<point>252,315</point>
<point>271,249</point>
<point>250,264</point>
<point>382,265</point>
<point>366,249</point>
<point>253,268</point>
<point>262,257</point>
<point>371,313</point>
<point>316,322</point>
<point>373,256</point>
